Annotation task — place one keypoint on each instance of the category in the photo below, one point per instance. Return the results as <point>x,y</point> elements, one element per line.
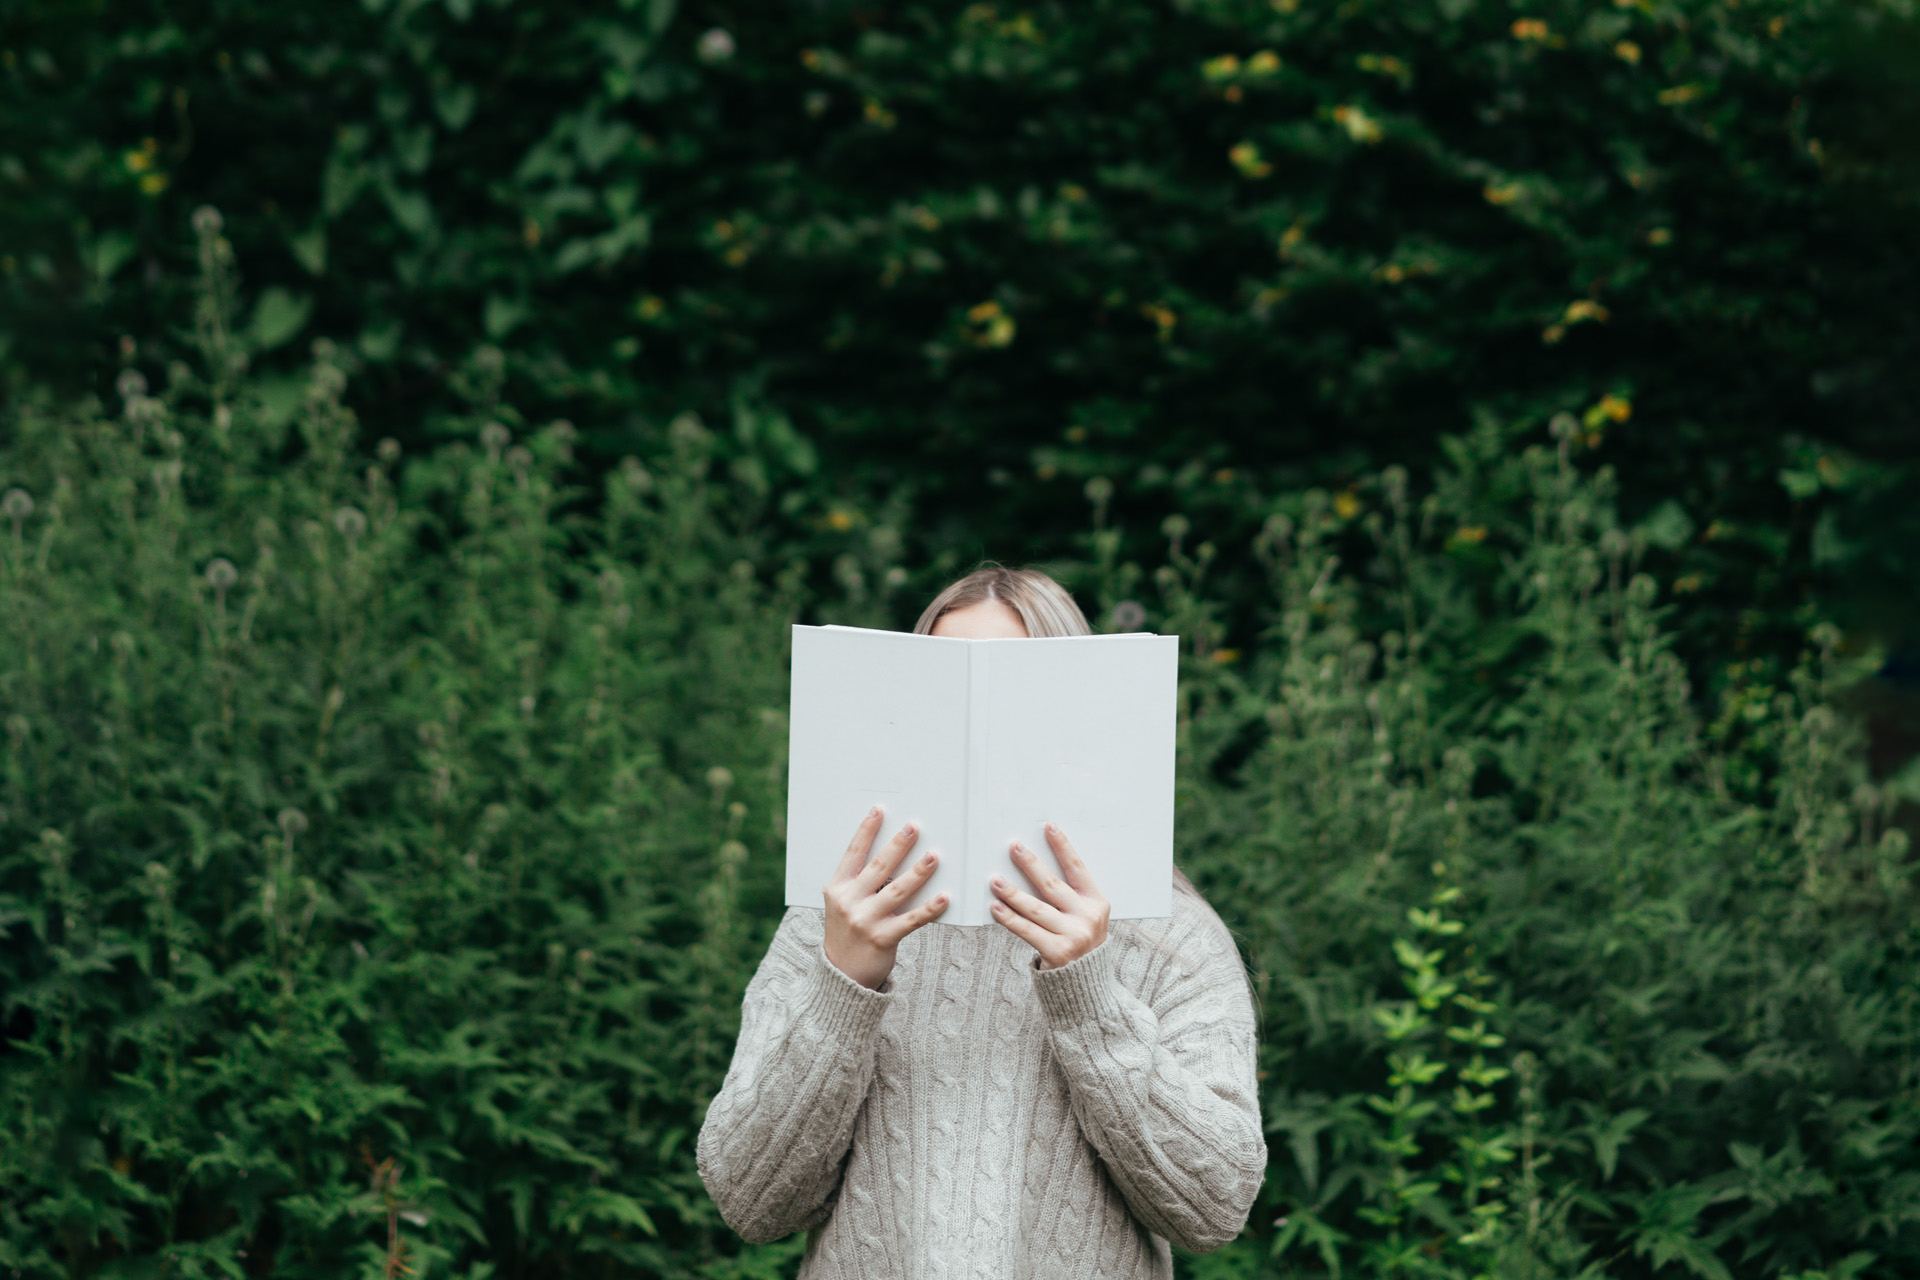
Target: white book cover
<point>982,742</point>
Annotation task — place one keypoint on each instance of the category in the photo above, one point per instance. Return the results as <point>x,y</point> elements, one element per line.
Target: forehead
<point>984,620</point>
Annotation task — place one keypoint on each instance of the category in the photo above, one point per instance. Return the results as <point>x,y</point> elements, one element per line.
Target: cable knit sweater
<point>979,1116</point>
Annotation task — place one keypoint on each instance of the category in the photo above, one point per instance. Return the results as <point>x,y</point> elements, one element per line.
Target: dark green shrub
<point>1215,251</point>
<point>386,837</point>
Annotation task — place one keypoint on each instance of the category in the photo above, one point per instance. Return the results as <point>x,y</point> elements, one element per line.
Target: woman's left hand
<point>1068,919</point>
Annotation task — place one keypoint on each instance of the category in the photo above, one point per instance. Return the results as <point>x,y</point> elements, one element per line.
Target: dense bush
<point>1215,250</point>
<point>386,837</point>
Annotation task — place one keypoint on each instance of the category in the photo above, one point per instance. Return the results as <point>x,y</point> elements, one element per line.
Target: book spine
<point>974,893</point>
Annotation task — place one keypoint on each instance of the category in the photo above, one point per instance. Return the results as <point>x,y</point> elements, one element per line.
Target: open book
<point>981,742</point>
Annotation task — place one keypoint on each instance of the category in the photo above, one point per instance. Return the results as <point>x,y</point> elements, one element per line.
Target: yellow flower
<point>1268,298</point>
<point>1687,585</point>
<point>1529,29</point>
<point>137,161</point>
<point>1246,158</point>
<point>1583,309</point>
<point>995,328</point>
<point>1680,93</point>
<point>1776,26</point>
<point>154,183</point>
<point>651,307</point>
<point>1468,535</point>
<point>1224,67</point>
<point>530,233</point>
<point>1628,52</point>
<point>1553,333</point>
<point>1660,236</point>
<point>1162,316</point>
<point>1345,505</point>
<point>1223,476</point>
<point>1608,408</point>
<point>1291,238</point>
<point>839,520</point>
<point>877,114</point>
<point>1221,657</point>
<point>1501,193</point>
<point>1383,64</point>
<point>923,218</point>
<point>1360,126</point>
<point>1264,63</point>
<point>810,59</point>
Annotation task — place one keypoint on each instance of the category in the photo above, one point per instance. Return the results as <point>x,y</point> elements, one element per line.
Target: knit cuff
<point>1080,991</point>
<point>838,1006</point>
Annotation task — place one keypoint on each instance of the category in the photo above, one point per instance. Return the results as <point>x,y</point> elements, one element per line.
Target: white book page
<point>1079,732</point>
<point>876,717</point>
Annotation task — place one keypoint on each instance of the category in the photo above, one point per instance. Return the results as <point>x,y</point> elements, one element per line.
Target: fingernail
<point>873,811</point>
<point>999,882</point>
<point>909,829</point>
<point>929,860</point>
<point>1052,830</point>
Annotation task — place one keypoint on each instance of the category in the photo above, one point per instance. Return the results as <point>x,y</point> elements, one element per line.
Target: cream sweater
<point>981,1117</point>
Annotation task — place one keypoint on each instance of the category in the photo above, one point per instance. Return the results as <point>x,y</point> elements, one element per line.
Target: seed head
<point>1099,490</point>
<point>493,438</point>
<point>350,522</point>
<point>207,220</point>
<point>719,777</point>
<point>130,384</point>
<point>388,450</point>
<point>18,504</point>
<point>292,823</point>
<point>715,46</point>
<point>221,574</point>
<point>1128,615</point>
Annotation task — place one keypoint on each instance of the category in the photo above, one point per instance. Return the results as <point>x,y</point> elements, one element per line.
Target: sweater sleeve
<point>775,1138</point>
<point>1163,1084</point>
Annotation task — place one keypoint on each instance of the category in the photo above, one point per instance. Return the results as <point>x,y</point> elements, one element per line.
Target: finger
<point>1045,882</point>
<point>1073,867</point>
<point>857,847</point>
<point>898,927</point>
<point>881,865</point>
<point>1021,927</point>
<point>907,883</point>
<point>1032,908</point>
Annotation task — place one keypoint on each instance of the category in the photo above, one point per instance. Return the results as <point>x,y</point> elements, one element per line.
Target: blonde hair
<point>1044,606</point>
<point>1046,610</point>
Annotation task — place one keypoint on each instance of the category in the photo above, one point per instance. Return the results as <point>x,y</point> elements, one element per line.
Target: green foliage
<point>1706,1004</point>
<point>1214,251</point>
<point>386,838</point>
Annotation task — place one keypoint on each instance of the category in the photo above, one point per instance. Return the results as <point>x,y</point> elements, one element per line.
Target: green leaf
<point>310,250</point>
<point>503,315</point>
<point>109,251</point>
<point>454,104</point>
<point>277,317</point>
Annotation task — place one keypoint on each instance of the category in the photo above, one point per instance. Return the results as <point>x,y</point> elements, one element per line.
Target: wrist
<point>870,971</point>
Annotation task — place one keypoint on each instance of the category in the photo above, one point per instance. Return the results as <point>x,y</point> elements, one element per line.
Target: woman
<point>1044,1097</point>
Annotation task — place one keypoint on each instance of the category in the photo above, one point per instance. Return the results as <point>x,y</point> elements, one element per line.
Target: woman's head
<point>994,602</point>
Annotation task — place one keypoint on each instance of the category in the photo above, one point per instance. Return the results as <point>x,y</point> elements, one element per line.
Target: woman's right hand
<point>862,930</point>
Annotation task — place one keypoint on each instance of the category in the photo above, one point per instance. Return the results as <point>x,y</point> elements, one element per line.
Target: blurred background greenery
<point>422,419</point>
